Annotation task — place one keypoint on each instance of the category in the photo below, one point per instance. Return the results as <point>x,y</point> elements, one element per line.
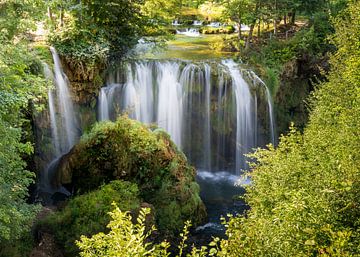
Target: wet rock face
<point>85,80</point>
<point>297,82</point>
<point>129,151</point>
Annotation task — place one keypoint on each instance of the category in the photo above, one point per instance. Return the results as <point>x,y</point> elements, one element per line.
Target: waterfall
<point>63,124</point>
<point>103,105</point>
<point>244,128</point>
<point>52,112</point>
<point>207,122</point>
<point>272,126</point>
<point>213,111</point>
<point>68,135</point>
<point>169,112</point>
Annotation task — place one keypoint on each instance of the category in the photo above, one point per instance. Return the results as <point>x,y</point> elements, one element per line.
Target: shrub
<point>87,214</point>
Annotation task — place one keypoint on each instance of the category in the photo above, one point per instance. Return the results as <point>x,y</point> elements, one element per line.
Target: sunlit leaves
<point>304,196</point>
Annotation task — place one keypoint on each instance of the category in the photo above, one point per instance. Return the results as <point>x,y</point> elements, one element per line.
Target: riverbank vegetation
<point>304,195</point>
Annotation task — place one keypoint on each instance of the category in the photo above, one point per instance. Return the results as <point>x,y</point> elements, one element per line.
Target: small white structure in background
<point>175,23</point>
<point>243,28</point>
<point>215,24</point>
<point>189,32</point>
<point>198,23</point>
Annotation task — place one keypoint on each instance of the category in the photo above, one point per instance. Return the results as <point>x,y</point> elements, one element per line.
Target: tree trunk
<point>275,27</point>
<point>239,32</point>
<point>249,36</point>
<point>61,17</point>
<point>293,15</point>
<point>285,20</point>
<point>49,13</point>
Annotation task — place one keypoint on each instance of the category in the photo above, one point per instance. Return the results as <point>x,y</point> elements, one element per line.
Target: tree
<point>304,195</point>
<point>20,82</point>
<point>94,29</point>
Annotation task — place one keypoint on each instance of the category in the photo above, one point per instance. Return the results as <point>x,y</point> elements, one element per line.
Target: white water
<point>207,125</point>
<point>52,112</point>
<point>193,105</point>
<point>63,123</point>
<point>68,135</point>
<point>175,23</point>
<point>244,122</point>
<point>189,32</point>
<point>169,110</point>
<point>103,105</point>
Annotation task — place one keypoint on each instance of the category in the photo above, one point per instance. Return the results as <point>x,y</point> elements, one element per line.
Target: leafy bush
<point>128,239</point>
<point>304,195</point>
<point>87,214</point>
<point>124,238</point>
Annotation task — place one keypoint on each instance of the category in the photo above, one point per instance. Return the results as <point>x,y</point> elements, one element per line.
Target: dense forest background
<point>304,195</point>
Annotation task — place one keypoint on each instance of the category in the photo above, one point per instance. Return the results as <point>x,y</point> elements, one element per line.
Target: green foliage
<point>124,238</point>
<point>161,11</point>
<point>128,150</point>
<point>211,10</point>
<point>223,30</point>
<point>87,214</point>
<point>18,248</point>
<point>304,194</point>
<point>20,83</point>
<point>17,17</point>
<point>128,239</point>
<point>97,30</point>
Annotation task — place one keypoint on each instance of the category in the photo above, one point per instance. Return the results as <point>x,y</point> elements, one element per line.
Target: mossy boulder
<point>130,151</point>
<point>88,214</point>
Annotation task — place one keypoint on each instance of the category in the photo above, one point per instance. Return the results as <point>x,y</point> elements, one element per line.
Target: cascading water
<point>209,109</point>
<point>103,105</point>
<point>244,119</point>
<point>214,111</point>
<point>52,112</point>
<point>63,122</point>
<point>69,134</point>
<point>207,124</point>
<point>169,110</point>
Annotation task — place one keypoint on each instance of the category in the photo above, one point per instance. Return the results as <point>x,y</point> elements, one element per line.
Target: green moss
<point>128,150</point>
<point>43,52</point>
<point>88,214</point>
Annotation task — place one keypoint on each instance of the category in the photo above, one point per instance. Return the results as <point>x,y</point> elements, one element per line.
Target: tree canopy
<point>21,81</point>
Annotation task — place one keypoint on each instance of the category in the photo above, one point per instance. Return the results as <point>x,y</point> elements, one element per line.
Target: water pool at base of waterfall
<point>220,193</point>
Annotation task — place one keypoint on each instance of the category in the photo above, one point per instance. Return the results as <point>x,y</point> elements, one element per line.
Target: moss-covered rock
<point>85,78</point>
<point>129,151</point>
<point>88,214</point>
